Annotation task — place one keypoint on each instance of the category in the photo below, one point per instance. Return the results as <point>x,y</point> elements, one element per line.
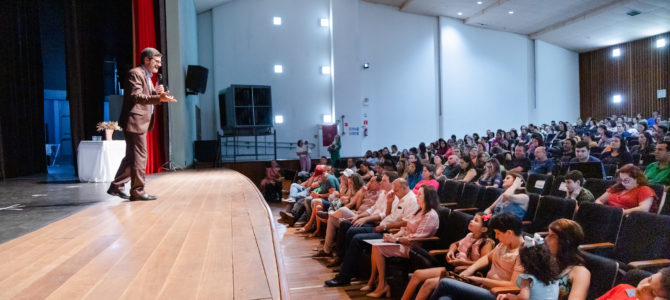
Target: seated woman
<point>514,200</point>
<point>438,160</point>
<point>402,168</point>
<point>468,173</point>
<point>562,241</point>
<point>491,176</point>
<point>271,184</point>
<point>423,223</point>
<point>656,286</point>
<point>461,255</point>
<point>428,176</point>
<point>631,191</point>
<point>645,146</point>
<point>414,174</point>
<point>618,154</point>
<point>504,261</point>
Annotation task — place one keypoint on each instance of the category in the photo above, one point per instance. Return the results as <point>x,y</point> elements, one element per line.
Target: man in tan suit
<point>137,118</point>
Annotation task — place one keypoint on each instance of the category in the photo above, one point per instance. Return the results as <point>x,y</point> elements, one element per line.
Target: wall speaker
<point>196,80</point>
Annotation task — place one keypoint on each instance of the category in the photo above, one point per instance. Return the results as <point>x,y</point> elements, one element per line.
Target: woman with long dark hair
<point>424,223</point>
<point>618,154</point>
<point>563,240</point>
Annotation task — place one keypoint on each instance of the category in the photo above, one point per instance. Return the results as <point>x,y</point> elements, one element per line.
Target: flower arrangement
<point>102,126</point>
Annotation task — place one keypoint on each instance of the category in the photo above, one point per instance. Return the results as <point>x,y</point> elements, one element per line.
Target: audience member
<point>513,200</point>
<point>645,146</point>
<point>439,164</point>
<point>491,176</point>
<point>587,138</point>
<point>422,224</point>
<point>298,193</point>
<point>504,261</point>
<point>659,171</point>
<point>630,192</point>
<point>656,286</point>
<point>467,172</point>
<point>319,198</point>
<point>574,182</point>
<point>402,167</point>
<point>618,154</point>
<point>271,185</point>
<point>302,150</point>
<point>541,164</point>
<point>428,176</point>
<point>659,132</point>
<point>520,163</point>
<point>583,154</point>
<point>452,167</point>
<point>461,254</point>
<point>365,171</point>
<point>394,151</point>
<point>568,150</point>
<point>415,173</point>
<point>563,239</point>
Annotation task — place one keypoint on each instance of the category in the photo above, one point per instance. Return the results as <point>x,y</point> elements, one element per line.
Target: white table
<point>97,161</point>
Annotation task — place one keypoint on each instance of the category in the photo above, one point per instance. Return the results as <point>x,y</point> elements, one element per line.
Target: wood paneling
<point>635,75</point>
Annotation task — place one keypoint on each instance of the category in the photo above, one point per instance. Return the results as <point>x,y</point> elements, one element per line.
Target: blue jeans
<point>449,289</point>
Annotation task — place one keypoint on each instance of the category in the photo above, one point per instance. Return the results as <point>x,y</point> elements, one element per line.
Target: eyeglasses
<point>627,180</point>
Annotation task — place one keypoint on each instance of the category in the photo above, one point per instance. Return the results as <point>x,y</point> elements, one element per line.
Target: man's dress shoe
<point>145,197</point>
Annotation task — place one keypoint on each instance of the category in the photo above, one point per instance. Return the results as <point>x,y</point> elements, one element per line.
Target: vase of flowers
<point>108,128</point>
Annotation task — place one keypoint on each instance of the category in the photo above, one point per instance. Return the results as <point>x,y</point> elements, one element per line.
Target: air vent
<point>633,13</point>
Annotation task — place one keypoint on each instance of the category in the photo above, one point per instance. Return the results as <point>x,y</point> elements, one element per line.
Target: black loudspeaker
<point>196,80</point>
<point>205,151</point>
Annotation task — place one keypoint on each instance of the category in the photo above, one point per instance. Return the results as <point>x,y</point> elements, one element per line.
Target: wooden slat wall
<point>636,75</point>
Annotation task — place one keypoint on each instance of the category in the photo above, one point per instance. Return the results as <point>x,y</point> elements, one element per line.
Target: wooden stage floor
<point>208,236</point>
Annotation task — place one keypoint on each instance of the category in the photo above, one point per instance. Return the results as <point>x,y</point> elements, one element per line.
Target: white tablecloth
<point>97,161</point>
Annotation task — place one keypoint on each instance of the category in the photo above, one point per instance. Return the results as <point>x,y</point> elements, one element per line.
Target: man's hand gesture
<point>166,98</point>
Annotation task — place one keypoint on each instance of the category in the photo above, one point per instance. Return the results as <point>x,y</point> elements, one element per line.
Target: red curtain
<point>145,36</point>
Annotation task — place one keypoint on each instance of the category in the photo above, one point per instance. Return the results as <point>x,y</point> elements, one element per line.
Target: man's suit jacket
<point>136,113</point>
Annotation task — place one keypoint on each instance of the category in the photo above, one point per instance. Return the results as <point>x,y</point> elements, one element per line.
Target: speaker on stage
<point>196,80</point>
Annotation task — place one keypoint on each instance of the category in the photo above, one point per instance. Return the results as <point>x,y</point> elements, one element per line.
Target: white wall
<point>486,78</point>
<point>209,105</point>
<point>182,44</point>
<point>556,84</point>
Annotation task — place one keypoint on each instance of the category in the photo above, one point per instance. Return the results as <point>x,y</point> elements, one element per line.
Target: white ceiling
<point>579,25</point>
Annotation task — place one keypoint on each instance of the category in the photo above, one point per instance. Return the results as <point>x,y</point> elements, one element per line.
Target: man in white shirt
<point>404,205</point>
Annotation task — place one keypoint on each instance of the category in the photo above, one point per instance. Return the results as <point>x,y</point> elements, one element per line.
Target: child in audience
<point>514,200</point>
<point>504,260</point>
<point>461,254</point>
<point>539,280</point>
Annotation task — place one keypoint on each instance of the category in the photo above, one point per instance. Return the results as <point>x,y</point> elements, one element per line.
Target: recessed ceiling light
<point>660,43</point>
<point>511,12</point>
<point>460,13</point>
<point>279,69</point>
<point>276,21</point>
<point>479,2</point>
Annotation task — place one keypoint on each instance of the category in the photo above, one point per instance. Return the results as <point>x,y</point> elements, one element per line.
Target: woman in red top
<point>631,191</point>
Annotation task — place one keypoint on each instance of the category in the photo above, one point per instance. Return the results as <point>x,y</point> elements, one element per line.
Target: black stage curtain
<point>22,149</point>
<point>84,63</point>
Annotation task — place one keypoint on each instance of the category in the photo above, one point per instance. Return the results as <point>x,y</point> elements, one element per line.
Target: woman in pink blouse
<point>422,224</point>
<point>428,176</point>
<point>272,178</point>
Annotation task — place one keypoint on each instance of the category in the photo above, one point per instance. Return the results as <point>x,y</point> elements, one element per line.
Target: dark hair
<point>467,159</point>
<point>358,181</point>
<point>569,235</point>
<point>394,146</point>
<point>537,261</point>
<point>586,134</point>
<point>666,143</point>
<point>430,199</point>
<point>418,167</point>
<point>665,280</point>
<point>623,146</point>
<point>393,175</point>
<point>422,148</point>
<point>647,135</point>
<point>388,162</point>
<point>299,143</point>
<point>485,223</point>
<point>575,175</point>
<point>582,144</point>
<point>506,221</point>
<point>663,128</point>
<point>431,169</point>
<point>149,53</point>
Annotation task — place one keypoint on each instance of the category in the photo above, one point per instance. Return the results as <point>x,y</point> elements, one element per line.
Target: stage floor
<point>209,235</point>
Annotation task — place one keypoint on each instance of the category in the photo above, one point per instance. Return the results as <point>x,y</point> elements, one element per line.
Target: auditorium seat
<point>597,186</point>
<point>603,274</point>
<point>558,188</point>
<point>549,209</point>
<point>539,183</point>
<point>600,223</point>
<point>449,191</point>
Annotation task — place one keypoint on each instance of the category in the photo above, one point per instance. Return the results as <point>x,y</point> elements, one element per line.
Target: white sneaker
<point>288,200</point>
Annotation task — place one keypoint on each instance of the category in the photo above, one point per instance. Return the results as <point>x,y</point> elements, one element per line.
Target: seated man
<point>520,163</point>
<point>541,164</point>
<point>583,154</point>
<point>403,207</point>
<point>574,181</point>
<point>452,167</point>
<point>659,171</point>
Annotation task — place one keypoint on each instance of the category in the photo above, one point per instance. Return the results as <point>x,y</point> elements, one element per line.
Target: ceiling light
<point>366,65</point>
<point>460,13</point>
<point>511,12</point>
<point>327,118</point>
<point>276,21</point>
<point>660,43</point>
<point>479,2</point>
<point>279,69</point>
<point>324,23</point>
<point>616,98</point>
<point>325,70</point>
<point>279,119</point>
<point>616,52</point>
